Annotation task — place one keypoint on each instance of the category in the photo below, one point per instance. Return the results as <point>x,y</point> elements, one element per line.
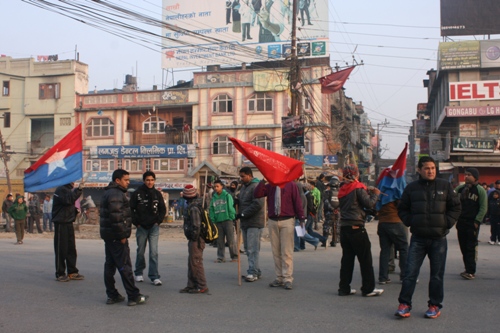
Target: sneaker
<point>185,290</point>
<point>467,276</point>
<point>403,311</point>
<point>141,299</point>
<point>351,292</point>
<point>251,278</point>
<point>433,312</point>
<point>139,278</point>
<point>375,292</point>
<point>276,283</point>
<point>62,278</point>
<point>288,286</point>
<point>114,300</point>
<point>157,282</point>
<point>198,291</point>
<point>491,243</point>
<point>385,281</point>
<point>76,276</point>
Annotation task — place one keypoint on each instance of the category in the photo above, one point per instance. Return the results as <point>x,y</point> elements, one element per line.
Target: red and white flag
<point>276,168</point>
<point>334,82</point>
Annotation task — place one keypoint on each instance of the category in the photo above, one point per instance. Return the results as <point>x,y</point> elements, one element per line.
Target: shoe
<point>185,290</point>
<point>219,261</point>
<point>385,282</point>
<point>333,244</point>
<point>139,278</point>
<point>491,243</point>
<point>157,282</point>
<point>315,247</point>
<point>141,299</point>
<point>433,312</point>
<point>234,260</point>
<point>198,291</point>
<point>251,278</point>
<point>375,292</point>
<point>63,278</point>
<point>288,286</point>
<point>467,276</point>
<point>76,276</point>
<point>117,299</point>
<point>276,283</point>
<point>351,292</point>
<point>403,311</point>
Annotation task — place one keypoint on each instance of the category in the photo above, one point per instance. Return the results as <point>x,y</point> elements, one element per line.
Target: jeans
<point>226,232</point>
<point>355,243</point>
<point>281,235</point>
<point>8,221</point>
<point>118,257</point>
<point>150,236</point>
<point>310,230</point>
<point>299,243</point>
<point>467,239</point>
<point>392,234</point>
<point>47,221</point>
<point>251,242</point>
<point>436,250</point>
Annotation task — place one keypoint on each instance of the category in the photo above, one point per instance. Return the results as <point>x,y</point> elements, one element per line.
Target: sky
<point>397,41</point>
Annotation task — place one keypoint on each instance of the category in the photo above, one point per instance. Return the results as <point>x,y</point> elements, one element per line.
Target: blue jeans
<point>150,236</point>
<point>47,221</point>
<point>436,250</point>
<point>251,242</point>
<point>299,243</point>
<point>310,230</point>
<point>392,234</point>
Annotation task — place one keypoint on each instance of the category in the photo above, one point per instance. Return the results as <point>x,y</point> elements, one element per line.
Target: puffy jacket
<point>429,208</point>
<point>222,207</point>
<point>63,206</point>
<point>116,216</point>
<point>18,211</point>
<point>148,207</point>
<point>353,204</point>
<point>251,208</point>
<point>494,205</point>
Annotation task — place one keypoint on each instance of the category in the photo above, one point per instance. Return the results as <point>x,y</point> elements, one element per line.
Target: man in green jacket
<point>222,213</point>
<point>18,212</point>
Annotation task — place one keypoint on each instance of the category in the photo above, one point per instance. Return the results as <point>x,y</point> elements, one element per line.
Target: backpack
<point>208,230</point>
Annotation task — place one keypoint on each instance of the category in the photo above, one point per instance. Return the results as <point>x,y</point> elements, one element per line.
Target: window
<point>100,165</point>
<point>6,119</point>
<point>119,164</point>
<point>100,127</point>
<point>262,141</point>
<point>307,145</point>
<point>6,88</point>
<point>133,165</point>
<point>222,104</point>
<point>49,91</point>
<point>260,102</point>
<point>148,164</point>
<point>222,146</point>
<point>168,164</point>
<point>190,163</point>
<point>153,125</point>
<point>66,121</point>
<point>306,103</point>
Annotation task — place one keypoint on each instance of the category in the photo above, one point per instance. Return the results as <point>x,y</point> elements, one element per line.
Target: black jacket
<point>148,207</point>
<point>63,207</point>
<point>116,219</point>
<point>353,205</point>
<point>250,208</point>
<point>429,208</point>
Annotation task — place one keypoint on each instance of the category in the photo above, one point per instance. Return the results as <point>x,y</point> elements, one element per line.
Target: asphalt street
<point>32,301</point>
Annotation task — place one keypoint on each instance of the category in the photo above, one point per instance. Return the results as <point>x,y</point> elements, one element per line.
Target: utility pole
<point>294,73</point>
<point>5,157</point>
<point>377,160</point>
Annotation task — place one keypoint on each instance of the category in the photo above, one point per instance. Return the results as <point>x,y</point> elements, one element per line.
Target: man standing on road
<point>474,207</point>
<point>148,211</point>
<point>9,200</point>
<point>47,214</point>
<point>63,215</point>
<point>115,229</point>
<point>251,216</point>
<point>430,207</point>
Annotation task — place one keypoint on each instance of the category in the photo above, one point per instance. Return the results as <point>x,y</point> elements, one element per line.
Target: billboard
<point>201,32</point>
<point>292,132</point>
<point>469,17</point>
<point>474,90</point>
<point>471,111</point>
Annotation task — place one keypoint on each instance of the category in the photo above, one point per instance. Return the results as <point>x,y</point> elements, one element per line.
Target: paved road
<point>31,300</point>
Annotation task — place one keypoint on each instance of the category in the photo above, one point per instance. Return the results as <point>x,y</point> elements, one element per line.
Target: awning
<point>206,164</point>
<point>475,164</point>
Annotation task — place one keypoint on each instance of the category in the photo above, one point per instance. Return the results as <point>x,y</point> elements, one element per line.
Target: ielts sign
<point>474,90</point>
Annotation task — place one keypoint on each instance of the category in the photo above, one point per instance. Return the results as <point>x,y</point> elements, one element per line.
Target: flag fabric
<point>61,165</point>
<point>334,82</point>
<point>276,168</point>
<point>392,181</point>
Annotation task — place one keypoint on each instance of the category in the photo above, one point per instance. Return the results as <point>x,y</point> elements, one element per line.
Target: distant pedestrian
<point>35,213</point>
<point>222,213</point>
<point>18,212</point>
<point>7,203</point>
<point>494,215</point>
<point>47,214</point>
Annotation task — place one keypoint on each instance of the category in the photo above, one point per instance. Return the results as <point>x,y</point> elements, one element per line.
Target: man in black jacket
<point>430,207</point>
<point>115,229</point>
<point>148,211</point>
<point>63,215</point>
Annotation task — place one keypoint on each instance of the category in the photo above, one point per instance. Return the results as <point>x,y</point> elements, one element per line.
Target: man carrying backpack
<point>197,283</point>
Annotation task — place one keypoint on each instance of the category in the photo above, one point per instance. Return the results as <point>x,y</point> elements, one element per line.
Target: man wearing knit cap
<point>197,283</point>
<point>474,206</point>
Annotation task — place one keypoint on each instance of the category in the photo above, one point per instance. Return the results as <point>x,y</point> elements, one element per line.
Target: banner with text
<point>145,151</point>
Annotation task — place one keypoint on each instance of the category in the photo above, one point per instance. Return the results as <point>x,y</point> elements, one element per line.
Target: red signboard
<point>474,90</point>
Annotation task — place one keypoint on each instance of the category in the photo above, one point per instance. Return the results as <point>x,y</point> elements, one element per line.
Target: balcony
<point>171,137</point>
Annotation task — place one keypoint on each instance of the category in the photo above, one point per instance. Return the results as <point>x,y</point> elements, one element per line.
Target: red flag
<point>276,168</point>
<point>335,81</point>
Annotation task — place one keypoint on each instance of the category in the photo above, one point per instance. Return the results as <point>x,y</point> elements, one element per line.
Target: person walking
<point>18,212</point>
<point>34,214</point>
<point>430,207</point>
<point>474,202</point>
<point>7,203</point>
<point>63,215</point>
<point>115,229</point>
<point>148,212</point>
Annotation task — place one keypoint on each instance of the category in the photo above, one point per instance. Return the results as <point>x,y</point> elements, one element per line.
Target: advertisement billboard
<point>471,111</point>
<point>474,90</point>
<point>459,55</point>
<point>231,32</point>
<point>469,17</point>
<point>292,132</point>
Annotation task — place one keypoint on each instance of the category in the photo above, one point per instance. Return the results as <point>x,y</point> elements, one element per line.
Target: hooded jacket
<point>250,208</point>
<point>148,207</point>
<point>116,219</point>
<point>353,198</point>
<point>63,205</point>
<point>222,207</point>
<point>18,211</point>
